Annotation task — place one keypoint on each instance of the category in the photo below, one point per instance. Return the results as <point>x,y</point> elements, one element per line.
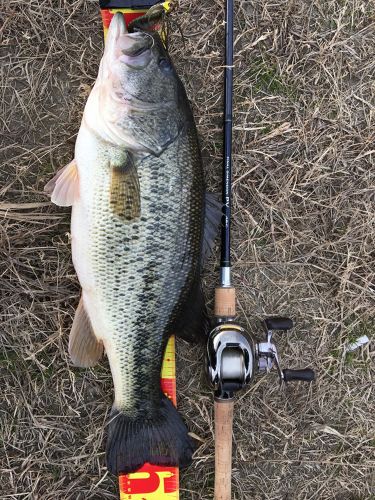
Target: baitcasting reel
<point>233,357</point>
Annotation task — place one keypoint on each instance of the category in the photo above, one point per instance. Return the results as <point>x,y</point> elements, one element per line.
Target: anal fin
<point>84,347</point>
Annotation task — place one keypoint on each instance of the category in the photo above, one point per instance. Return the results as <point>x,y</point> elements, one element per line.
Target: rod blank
<point>228,119</point>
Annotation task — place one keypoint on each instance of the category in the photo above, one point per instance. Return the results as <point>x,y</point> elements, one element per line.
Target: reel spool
<point>230,359</point>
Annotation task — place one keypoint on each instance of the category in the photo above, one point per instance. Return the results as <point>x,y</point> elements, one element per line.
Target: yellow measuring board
<point>151,482</point>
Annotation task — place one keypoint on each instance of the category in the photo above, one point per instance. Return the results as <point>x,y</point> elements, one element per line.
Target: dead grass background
<point>303,245</point>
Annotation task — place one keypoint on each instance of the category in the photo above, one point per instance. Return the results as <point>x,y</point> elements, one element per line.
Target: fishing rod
<point>233,356</point>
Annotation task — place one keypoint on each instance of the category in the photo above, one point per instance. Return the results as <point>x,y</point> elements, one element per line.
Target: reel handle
<point>306,375</point>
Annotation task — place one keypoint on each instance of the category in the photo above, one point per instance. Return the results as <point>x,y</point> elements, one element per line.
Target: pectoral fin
<point>125,197</point>
<point>64,186</point>
<point>84,347</point>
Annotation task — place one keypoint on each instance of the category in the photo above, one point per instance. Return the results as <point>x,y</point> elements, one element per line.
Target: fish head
<point>138,101</point>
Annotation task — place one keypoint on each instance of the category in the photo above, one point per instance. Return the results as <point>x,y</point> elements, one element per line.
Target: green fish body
<point>137,192</point>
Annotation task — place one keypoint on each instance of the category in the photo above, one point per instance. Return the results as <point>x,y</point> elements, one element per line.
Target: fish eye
<point>164,64</point>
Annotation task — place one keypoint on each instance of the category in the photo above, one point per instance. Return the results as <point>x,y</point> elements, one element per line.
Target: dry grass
<point>303,245</point>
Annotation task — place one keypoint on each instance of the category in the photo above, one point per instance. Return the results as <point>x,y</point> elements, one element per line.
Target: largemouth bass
<point>138,229</point>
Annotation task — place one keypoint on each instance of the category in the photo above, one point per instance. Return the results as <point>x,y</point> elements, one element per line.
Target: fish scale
<point>142,270</point>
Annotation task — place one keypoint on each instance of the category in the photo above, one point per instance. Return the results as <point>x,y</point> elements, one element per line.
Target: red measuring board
<point>151,482</point>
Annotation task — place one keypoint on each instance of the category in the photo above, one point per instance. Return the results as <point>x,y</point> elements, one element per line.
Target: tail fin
<point>161,440</point>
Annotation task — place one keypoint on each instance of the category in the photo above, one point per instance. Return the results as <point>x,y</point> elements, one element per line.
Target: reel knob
<point>278,323</point>
<point>305,375</point>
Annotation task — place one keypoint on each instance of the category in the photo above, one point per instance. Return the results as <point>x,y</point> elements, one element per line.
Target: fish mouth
<point>135,44</point>
<point>134,49</point>
<point>117,26</point>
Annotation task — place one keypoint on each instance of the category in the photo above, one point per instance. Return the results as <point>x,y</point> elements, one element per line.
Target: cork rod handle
<point>223,449</point>
<point>225,302</point>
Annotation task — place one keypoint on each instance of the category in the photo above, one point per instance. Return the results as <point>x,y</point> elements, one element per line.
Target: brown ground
<point>303,246</point>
